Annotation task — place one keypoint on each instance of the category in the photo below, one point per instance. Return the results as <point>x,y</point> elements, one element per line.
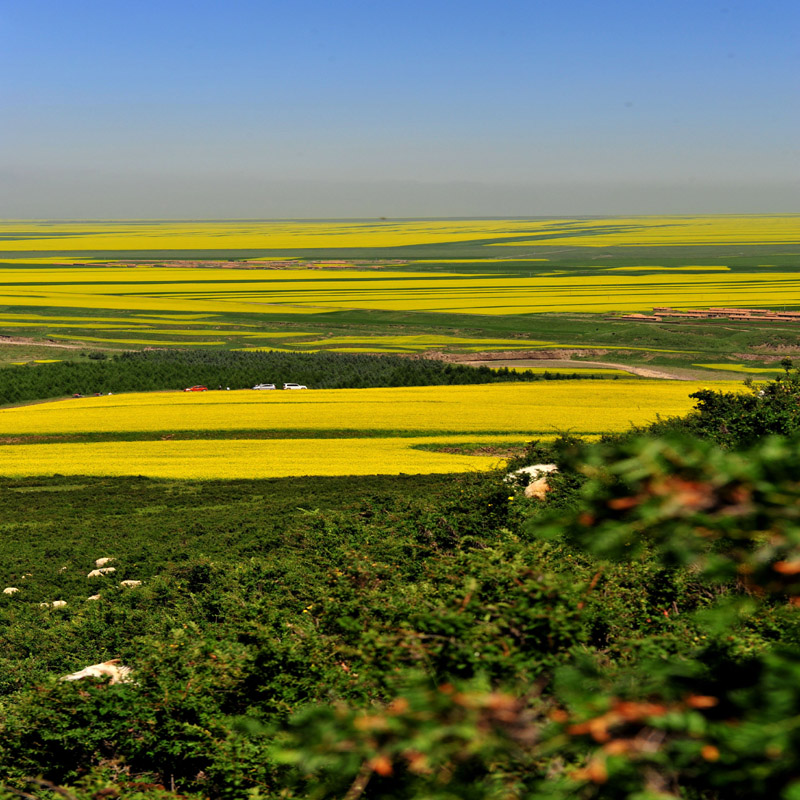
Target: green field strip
<point>741,368</point>
<point>298,433</point>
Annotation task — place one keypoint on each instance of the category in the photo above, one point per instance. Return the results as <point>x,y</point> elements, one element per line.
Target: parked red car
<point>196,389</point>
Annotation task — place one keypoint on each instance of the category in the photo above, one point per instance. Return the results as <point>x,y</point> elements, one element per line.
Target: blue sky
<point>437,108</point>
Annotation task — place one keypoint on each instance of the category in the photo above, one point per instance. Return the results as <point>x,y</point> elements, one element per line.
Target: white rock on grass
<point>101,562</point>
<point>118,673</point>
<point>537,489</point>
<point>54,604</point>
<point>98,573</point>
<point>538,486</point>
<point>93,597</point>
<point>534,470</point>
<point>130,584</point>
<point>10,590</point>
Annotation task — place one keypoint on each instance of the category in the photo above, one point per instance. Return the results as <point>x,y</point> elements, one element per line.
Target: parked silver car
<point>264,386</point>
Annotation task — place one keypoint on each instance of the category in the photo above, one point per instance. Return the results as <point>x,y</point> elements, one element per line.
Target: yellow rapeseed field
<point>54,260</point>
<point>239,458</point>
<point>146,342</point>
<point>211,291</point>
<point>496,414</point>
<point>16,318</point>
<point>227,235</point>
<point>25,236</point>
<point>506,408</point>
<point>742,229</point>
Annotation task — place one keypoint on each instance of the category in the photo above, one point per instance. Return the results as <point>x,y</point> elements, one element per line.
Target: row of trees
<point>160,370</point>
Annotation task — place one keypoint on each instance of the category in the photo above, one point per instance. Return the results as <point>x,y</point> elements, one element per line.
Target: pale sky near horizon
<point>315,108</point>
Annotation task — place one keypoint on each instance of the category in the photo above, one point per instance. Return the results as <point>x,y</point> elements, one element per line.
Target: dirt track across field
<point>21,340</point>
<point>561,365</point>
<point>561,360</point>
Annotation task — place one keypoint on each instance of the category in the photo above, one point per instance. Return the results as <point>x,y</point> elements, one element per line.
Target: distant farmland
<point>406,286</point>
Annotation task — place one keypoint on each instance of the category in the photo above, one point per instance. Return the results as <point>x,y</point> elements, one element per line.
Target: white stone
<point>98,573</point>
<point>535,470</point>
<point>118,673</point>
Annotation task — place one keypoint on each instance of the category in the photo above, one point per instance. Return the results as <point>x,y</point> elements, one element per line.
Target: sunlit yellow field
<point>146,342</point>
<point>241,458</point>
<point>25,236</point>
<point>85,236</point>
<point>494,408</point>
<point>744,229</point>
<point>408,417</point>
<point>208,291</point>
<point>19,319</point>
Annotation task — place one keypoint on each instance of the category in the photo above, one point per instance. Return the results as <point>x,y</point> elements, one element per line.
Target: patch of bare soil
<point>644,372</point>
<point>758,357</point>
<point>23,340</point>
<point>777,350</point>
<point>27,439</point>
<point>489,450</point>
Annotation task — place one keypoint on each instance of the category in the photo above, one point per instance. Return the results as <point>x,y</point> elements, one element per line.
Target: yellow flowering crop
<point>249,235</point>
<point>238,458</point>
<point>133,341</point>
<point>504,408</point>
<point>213,291</point>
<point>494,414</point>
<point>88,236</point>
<point>29,319</point>
<point>743,229</point>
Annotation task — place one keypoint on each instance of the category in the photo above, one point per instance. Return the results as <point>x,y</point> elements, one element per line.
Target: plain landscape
<point>530,531</point>
<point>399,401</point>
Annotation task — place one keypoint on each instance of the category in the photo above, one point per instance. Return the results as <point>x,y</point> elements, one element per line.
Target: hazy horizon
<point>313,109</point>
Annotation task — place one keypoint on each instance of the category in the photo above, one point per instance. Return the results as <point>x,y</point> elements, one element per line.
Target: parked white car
<point>264,386</point>
<point>294,386</point>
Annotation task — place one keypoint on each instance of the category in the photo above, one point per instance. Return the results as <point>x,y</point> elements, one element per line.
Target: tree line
<point>176,369</point>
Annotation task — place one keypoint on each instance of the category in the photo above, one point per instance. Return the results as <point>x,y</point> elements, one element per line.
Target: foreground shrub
<point>635,636</point>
